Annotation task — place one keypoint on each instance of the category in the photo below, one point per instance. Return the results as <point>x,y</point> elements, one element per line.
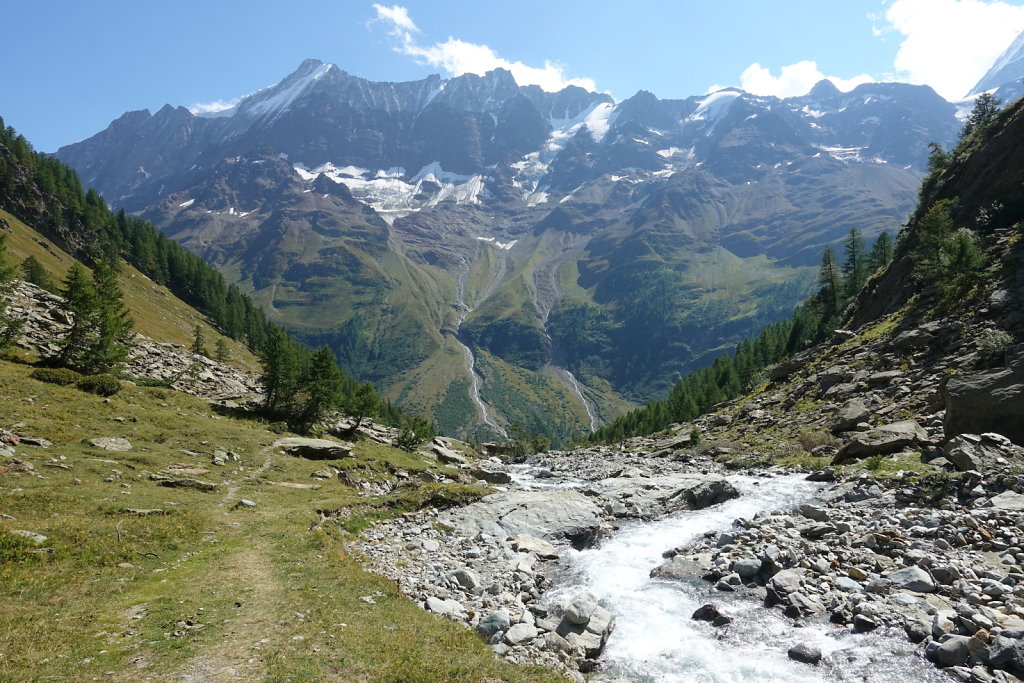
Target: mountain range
<point>489,253</point>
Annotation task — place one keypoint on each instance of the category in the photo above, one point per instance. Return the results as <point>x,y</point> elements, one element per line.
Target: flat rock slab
<point>882,440</point>
<point>314,449</point>
<point>654,496</point>
<point>111,443</point>
<point>548,515</point>
<point>1009,501</point>
<point>184,483</point>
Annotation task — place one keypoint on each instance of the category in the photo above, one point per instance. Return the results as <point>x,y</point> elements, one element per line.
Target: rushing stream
<point>655,639</point>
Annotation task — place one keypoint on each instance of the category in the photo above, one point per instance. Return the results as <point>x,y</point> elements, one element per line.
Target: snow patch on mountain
<point>714,107</point>
<point>504,246</point>
<point>391,195</point>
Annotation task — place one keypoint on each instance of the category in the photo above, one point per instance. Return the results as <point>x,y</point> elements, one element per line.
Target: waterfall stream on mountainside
<point>655,639</point>
<point>476,381</point>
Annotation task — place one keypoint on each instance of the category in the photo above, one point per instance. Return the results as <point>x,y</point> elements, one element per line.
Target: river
<point>655,639</point>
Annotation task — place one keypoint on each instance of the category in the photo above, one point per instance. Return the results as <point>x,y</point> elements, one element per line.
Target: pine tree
<point>222,354</point>
<point>964,263</point>
<point>33,271</point>
<point>113,323</point>
<point>881,252</point>
<point>199,342</point>
<point>80,301</point>
<point>830,285</point>
<point>855,266</point>
<point>320,388</point>
<point>984,112</point>
<point>933,230</point>
<point>362,404</point>
<point>280,362</point>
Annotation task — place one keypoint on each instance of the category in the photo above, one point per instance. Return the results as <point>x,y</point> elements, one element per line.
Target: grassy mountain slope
<point>202,590</point>
<point>136,580</point>
<point>158,314</point>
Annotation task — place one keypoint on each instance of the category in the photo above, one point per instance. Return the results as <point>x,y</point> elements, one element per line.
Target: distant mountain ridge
<point>486,251</point>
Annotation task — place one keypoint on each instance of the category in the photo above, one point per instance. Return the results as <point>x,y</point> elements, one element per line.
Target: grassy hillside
<point>158,314</point>
<point>201,589</point>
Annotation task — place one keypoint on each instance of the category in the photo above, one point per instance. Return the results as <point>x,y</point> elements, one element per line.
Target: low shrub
<point>62,376</point>
<point>809,439</point>
<point>101,385</point>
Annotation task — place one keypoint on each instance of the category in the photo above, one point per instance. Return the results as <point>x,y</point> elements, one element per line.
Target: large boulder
<point>550,515</point>
<point>314,449</point>
<point>654,496</point>
<point>882,440</point>
<point>850,415</point>
<point>989,400</point>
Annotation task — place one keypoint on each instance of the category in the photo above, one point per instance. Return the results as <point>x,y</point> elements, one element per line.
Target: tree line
<point>301,386</point>
<point>941,253</point>
<point>730,375</point>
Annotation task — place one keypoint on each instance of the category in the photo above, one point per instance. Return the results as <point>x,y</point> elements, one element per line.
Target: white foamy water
<point>655,640</point>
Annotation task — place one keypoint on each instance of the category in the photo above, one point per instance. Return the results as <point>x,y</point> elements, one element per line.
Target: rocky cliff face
<point>583,251</point>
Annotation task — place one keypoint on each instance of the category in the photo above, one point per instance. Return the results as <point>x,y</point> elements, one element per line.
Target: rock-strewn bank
<point>488,564</point>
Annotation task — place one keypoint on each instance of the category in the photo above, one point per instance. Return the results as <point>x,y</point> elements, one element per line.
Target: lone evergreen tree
<point>279,358</point>
<point>198,342</point>
<point>80,301</point>
<point>830,284</point>
<point>222,354</point>
<point>881,251</point>
<point>984,112</point>
<point>933,230</point>
<point>855,266</point>
<point>113,322</point>
<point>33,271</point>
<point>321,389</point>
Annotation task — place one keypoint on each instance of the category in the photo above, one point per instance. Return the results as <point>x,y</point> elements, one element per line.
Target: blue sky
<point>71,67</point>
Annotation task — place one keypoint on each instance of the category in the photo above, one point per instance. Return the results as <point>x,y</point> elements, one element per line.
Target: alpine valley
<point>489,253</point>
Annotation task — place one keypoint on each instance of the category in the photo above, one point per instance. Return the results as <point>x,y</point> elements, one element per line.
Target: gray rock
<point>747,568</point>
<point>849,415</point>
<point>314,449</point>
<point>446,608</point>
<point>448,456</point>
<point>466,578</point>
<point>520,633</point>
<point>912,579</point>
<point>1008,501</point>
<point>882,440</point>
<point>111,443</point>
<point>542,514</point>
<point>950,650</point>
<point>707,612</point>
<point>494,622</point>
<point>491,475</point>
<point>653,496</point>
<point>32,536</point>
<point>988,401</point>
<point>538,546</point>
<point>805,654</point>
<point>579,611</point>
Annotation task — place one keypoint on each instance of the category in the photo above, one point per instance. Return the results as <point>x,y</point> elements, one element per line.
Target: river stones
<point>495,622</point>
<point>538,546</point>
<point>804,653</point>
<point>912,579</point>
<point>547,515</point>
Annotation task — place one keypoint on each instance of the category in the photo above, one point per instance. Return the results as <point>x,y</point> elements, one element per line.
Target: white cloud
<point>458,57</point>
<point>793,79</point>
<point>396,15</point>
<point>212,107</point>
<point>950,44</point>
